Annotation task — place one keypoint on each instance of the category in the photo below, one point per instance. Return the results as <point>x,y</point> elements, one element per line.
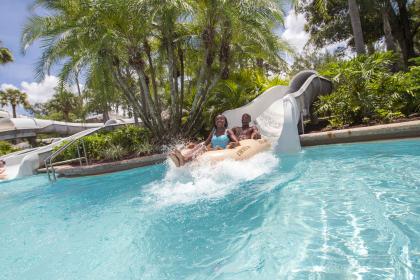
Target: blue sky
<point>14,15</point>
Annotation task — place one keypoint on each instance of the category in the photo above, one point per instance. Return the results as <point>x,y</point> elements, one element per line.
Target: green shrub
<point>366,89</point>
<point>412,81</point>
<point>129,137</point>
<point>113,152</point>
<point>6,148</point>
<point>111,145</point>
<point>143,149</point>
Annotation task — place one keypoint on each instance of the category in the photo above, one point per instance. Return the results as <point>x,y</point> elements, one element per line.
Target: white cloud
<point>37,92</point>
<point>294,32</point>
<point>40,92</point>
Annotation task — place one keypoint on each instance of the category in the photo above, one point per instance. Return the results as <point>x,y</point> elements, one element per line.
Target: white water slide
<point>277,111</point>
<point>26,162</point>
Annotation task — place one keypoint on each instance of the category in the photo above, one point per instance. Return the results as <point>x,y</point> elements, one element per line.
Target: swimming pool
<point>330,212</point>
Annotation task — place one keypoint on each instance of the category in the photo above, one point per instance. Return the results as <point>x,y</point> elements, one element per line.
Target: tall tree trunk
<point>136,118</point>
<point>14,111</point>
<point>136,61</point>
<point>105,115</point>
<point>79,91</point>
<point>173,84</point>
<point>66,115</point>
<point>131,96</point>
<point>389,38</point>
<point>356,27</point>
<point>406,31</point>
<point>153,77</point>
<point>399,27</point>
<point>224,54</point>
<point>204,76</point>
<point>181,66</point>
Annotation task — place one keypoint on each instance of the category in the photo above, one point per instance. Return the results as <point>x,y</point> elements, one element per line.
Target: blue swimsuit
<point>220,141</point>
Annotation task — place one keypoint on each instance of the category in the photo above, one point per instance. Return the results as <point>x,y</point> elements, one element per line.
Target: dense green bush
<point>367,90</point>
<point>129,137</point>
<point>113,152</point>
<point>6,148</point>
<point>125,141</point>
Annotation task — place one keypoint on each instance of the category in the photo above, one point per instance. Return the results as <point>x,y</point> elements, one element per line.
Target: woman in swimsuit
<point>220,138</point>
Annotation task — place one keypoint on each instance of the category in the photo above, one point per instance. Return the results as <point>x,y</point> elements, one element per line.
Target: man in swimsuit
<point>246,131</point>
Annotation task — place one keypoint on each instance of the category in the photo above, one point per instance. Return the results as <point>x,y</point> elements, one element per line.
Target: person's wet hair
<point>226,121</point>
<point>246,114</point>
<point>2,161</point>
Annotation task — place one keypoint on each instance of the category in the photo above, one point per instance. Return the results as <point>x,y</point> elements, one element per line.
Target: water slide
<point>26,162</point>
<point>277,111</point>
<point>13,128</point>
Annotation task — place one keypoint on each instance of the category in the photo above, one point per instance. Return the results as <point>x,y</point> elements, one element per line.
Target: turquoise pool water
<point>333,212</point>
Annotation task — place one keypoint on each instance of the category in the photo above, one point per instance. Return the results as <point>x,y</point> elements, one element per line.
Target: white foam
<point>194,181</point>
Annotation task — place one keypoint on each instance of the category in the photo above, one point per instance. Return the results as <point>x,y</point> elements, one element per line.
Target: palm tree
<point>5,55</point>
<point>14,97</point>
<point>161,54</point>
<point>100,91</point>
<point>63,102</point>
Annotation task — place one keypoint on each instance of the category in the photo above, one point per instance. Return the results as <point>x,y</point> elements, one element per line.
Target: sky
<point>20,73</point>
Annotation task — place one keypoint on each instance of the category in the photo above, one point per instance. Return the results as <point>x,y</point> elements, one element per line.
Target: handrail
<point>48,161</point>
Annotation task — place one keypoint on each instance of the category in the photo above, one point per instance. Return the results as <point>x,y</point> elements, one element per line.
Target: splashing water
<point>203,180</point>
<point>332,212</point>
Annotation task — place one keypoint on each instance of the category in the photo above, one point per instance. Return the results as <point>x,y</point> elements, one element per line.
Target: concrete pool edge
<point>401,130</point>
<point>108,167</point>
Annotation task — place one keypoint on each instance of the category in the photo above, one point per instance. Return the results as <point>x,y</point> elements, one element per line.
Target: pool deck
<point>361,134</point>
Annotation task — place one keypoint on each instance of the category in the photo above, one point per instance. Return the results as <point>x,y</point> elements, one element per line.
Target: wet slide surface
<point>24,163</point>
<point>331,212</point>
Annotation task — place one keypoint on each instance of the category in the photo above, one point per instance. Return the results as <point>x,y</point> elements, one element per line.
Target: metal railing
<point>49,161</point>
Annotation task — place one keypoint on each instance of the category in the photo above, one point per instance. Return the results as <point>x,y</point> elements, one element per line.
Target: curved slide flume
<point>277,111</point>
<point>13,128</point>
<point>26,162</point>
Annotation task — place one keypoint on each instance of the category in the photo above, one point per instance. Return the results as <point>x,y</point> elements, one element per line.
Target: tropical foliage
<point>5,55</point>
<point>63,106</point>
<point>367,90</point>
<point>159,53</point>
<point>13,97</point>
<point>63,103</point>
<point>126,141</point>
<point>6,148</point>
<point>394,23</point>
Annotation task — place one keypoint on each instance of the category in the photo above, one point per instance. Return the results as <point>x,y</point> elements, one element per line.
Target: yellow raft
<point>246,150</point>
